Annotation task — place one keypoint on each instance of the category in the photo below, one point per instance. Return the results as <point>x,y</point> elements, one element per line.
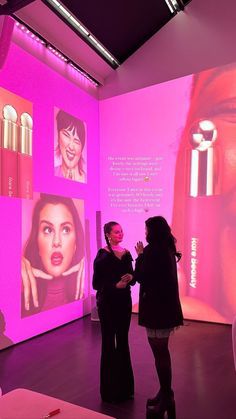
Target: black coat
<point>159,303</point>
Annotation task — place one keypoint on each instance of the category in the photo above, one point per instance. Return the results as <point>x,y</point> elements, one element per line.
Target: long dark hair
<point>69,122</point>
<point>31,251</point>
<point>159,234</point>
<point>107,229</point>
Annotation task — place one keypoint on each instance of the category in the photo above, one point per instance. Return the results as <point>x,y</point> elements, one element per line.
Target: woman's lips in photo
<point>56,259</point>
<point>70,155</point>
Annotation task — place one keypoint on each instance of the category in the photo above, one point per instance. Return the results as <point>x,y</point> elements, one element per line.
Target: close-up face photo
<point>70,146</point>
<point>214,99</point>
<point>56,238</point>
<point>217,102</point>
<point>52,252</point>
<point>212,105</point>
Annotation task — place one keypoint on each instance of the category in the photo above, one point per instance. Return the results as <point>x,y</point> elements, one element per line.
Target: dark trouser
<point>116,374</point>
<point>161,354</point>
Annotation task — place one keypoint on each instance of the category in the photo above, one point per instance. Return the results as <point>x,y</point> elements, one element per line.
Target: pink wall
<point>139,136</point>
<point>201,37</point>
<point>29,78</point>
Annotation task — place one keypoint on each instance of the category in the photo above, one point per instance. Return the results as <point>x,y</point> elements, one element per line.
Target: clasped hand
<point>124,281</point>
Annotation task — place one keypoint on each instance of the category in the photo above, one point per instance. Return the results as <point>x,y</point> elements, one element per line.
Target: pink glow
<point>45,89</point>
<point>6,30</point>
<point>163,122</point>
<point>144,123</point>
<point>51,57</point>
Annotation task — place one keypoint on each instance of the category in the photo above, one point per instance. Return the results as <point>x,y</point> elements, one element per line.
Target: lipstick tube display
<point>9,152</point>
<point>202,212</point>
<point>25,171</point>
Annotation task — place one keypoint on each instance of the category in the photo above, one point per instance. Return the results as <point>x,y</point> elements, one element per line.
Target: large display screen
<point>46,185</point>
<point>52,265</point>
<point>170,150</point>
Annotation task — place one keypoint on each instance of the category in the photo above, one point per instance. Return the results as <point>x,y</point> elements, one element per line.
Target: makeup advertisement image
<point>204,216</point>
<point>52,265</point>
<point>117,209</point>
<point>16,146</point>
<point>177,159</point>
<point>47,219</point>
<point>70,147</point>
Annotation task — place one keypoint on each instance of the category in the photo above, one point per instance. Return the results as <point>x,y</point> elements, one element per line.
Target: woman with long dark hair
<point>53,257</point>
<point>113,275</point>
<point>159,305</point>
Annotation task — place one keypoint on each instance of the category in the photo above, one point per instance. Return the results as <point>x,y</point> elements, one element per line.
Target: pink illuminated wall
<point>140,133</point>
<point>169,150</point>
<point>199,38</point>
<point>141,141</point>
<point>33,81</point>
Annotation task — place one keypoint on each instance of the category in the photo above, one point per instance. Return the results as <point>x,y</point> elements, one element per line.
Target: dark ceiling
<point>121,26</point>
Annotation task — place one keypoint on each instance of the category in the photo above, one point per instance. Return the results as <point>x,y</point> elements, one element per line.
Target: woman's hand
<point>79,268</point>
<point>121,284</point>
<point>139,248</point>
<point>125,279</point>
<point>29,274</point>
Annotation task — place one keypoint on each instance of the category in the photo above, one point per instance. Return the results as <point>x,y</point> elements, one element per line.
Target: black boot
<point>166,403</point>
<point>155,400</point>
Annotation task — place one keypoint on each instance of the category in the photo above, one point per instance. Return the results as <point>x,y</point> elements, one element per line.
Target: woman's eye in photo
<point>77,141</point>
<point>66,229</point>
<point>47,230</point>
<point>66,133</point>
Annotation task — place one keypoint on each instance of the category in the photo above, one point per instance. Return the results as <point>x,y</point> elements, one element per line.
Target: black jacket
<point>108,270</point>
<point>159,303</point>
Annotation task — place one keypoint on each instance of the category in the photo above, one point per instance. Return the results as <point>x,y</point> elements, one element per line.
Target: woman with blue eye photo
<point>70,132</point>
<point>53,257</point>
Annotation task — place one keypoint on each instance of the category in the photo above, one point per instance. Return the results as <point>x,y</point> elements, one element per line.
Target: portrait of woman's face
<point>214,99</point>
<point>217,102</point>
<point>56,238</point>
<point>70,146</point>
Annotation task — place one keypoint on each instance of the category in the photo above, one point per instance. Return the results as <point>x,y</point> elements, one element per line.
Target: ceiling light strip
<point>82,30</point>
<point>175,5</point>
<point>36,37</point>
<point>170,5</point>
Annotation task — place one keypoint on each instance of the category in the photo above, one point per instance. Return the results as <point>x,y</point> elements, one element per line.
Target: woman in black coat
<point>113,275</point>
<point>159,305</point>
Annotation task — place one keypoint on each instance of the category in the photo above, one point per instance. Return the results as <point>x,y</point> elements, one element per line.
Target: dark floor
<point>64,363</point>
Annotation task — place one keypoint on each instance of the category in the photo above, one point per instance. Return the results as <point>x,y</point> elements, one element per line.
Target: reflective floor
<point>64,363</point>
